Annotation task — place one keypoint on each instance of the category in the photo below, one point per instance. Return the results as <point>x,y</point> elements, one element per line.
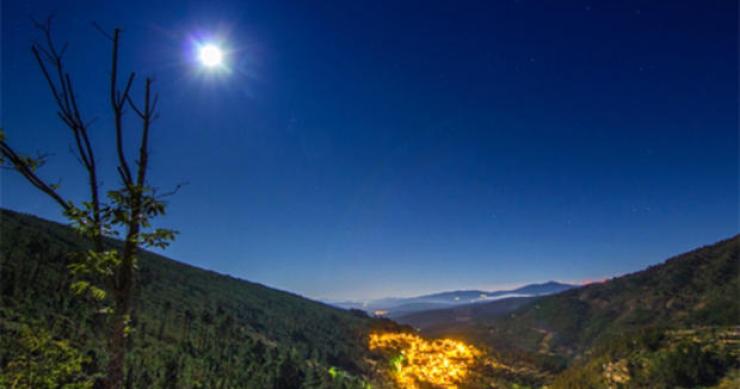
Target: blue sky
<point>366,149</point>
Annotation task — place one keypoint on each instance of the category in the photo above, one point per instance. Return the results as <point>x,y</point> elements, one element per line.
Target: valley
<point>195,328</point>
<point>509,194</point>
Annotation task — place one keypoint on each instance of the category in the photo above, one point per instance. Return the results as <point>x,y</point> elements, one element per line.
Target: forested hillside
<point>676,324</point>
<point>698,288</point>
<point>191,328</point>
<point>440,320</point>
<point>651,358</point>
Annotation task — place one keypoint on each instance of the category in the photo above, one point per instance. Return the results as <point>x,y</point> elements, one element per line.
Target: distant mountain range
<point>698,288</point>
<point>396,307</point>
<point>676,324</point>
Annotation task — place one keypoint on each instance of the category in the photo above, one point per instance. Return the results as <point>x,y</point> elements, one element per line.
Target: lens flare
<point>211,55</point>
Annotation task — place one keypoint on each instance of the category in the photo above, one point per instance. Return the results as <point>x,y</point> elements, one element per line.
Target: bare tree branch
<point>102,31</point>
<point>172,192</point>
<point>134,107</point>
<point>122,98</point>
<point>62,91</point>
<point>118,113</point>
<point>21,165</point>
<point>144,147</point>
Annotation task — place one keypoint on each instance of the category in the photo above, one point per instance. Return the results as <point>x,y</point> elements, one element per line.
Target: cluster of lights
<point>418,361</point>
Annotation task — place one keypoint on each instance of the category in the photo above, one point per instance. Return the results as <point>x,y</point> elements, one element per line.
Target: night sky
<point>357,149</point>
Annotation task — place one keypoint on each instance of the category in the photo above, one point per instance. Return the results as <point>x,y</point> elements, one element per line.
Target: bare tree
<point>106,272</point>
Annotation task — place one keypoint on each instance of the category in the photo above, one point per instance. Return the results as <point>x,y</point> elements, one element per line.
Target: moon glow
<point>210,55</point>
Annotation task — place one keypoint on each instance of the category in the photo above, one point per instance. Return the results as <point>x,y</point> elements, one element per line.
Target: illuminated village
<point>416,361</point>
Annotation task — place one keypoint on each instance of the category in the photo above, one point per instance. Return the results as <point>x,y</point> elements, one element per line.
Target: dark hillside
<point>436,321</point>
<point>191,328</point>
<point>698,288</point>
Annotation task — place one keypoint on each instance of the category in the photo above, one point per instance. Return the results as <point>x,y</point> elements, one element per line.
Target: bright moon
<point>211,55</point>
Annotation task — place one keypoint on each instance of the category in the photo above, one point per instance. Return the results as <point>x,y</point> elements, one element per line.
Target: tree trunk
<point>117,350</point>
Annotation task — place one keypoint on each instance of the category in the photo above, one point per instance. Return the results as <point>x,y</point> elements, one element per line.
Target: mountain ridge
<point>694,288</point>
<point>395,307</point>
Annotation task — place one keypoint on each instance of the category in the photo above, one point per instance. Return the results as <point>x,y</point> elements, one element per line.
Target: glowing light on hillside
<point>417,361</point>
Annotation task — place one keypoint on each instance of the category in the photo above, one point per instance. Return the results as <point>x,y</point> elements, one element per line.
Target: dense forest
<point>673,325</point>
<point>191,328</point>
<point>676,324</point>
<point>699,288</point>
